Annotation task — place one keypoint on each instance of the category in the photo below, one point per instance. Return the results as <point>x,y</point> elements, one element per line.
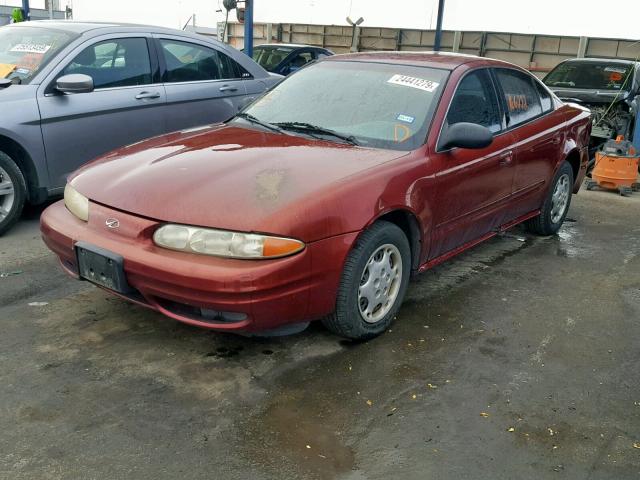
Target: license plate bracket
<point>102,267</point>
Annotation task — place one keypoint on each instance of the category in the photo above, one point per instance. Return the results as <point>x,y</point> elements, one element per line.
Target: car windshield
<point>373,104</point>
<point>270,57</point>
<point>25,50</point>
<point>590,75</point>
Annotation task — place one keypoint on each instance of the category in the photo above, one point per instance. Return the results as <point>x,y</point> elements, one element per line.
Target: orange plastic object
<point>614,171</point>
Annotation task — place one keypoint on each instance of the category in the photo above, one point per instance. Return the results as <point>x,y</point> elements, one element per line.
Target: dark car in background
<point>284,59</point>
<point>610,88</point>
<point>73,91</point>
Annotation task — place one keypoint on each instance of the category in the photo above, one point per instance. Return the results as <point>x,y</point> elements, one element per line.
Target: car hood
<point>226,176</point>
<point>589,96</point>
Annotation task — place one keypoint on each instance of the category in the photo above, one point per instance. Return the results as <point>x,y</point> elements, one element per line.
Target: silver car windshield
<point>374,104</point>
<point>25,50</point>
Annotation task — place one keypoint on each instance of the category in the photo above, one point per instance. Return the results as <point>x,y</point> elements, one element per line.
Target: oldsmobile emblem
<point>112,222</point>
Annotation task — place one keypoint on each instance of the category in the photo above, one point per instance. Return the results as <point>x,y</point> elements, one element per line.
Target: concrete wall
<point>538,53</point>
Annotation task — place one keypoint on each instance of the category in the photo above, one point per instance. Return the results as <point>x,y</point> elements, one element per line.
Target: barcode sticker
<point>30,48</point>
<point>413,82</point>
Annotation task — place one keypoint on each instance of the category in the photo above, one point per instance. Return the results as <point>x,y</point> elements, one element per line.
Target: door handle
<point>147,95</point>
<point>506,159</point>
<point>228,88</point>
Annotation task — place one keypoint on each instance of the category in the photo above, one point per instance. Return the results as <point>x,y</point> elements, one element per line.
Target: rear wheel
<point>556,204</point>
<point>13,192</point>
<point>373,283</point>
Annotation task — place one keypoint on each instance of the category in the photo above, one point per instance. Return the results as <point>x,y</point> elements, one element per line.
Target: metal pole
<point>50,9</point>
<point>438,39</point>
<point>25,10</point>
<point>248,28</point>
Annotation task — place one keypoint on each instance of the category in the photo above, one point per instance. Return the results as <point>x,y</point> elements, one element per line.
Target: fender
<point>23,151</point>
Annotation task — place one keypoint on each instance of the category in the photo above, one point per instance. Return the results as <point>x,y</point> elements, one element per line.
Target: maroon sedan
<point>320,199</point>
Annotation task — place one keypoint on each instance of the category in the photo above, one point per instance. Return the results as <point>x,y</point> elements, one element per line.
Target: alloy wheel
<point>7,194</point>
<point>560,198</point>
<point>380,283</point>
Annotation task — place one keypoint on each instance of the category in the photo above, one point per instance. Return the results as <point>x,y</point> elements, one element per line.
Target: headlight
<point>223,243</point>
<point>76,203</point>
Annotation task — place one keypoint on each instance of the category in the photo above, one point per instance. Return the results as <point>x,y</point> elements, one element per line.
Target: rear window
<point>590,75</point>
<point>24,51</point>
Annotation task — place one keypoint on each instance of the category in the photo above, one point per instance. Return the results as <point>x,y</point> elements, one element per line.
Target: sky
<point>555,17</point>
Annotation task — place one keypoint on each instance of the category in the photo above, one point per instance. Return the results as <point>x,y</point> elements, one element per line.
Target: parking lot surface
<point>518,359</point>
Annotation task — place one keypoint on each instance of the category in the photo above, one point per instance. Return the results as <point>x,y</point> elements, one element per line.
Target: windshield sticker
<point>30,48</point>
<point>6,69</point>
<point>413,82</point>
<point>405,118</point>
<point>615,77</point>
<point>615,69</point>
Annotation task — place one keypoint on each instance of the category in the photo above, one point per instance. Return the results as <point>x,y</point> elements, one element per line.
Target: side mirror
<point>466,135</point>
<point>75,83</point>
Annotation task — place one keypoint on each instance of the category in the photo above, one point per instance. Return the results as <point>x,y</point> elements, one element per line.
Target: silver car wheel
<point>380,283</point>
<point>7,194</point>
<point>560,198</point>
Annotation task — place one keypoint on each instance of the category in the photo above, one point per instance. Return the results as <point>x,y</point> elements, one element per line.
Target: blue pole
<point>248,28</point>
<point>438,39</point>
<point>25,10</point>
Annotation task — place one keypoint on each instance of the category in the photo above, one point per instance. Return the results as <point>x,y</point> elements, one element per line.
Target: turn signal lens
<point>76,203</point>
<point>223,243</point>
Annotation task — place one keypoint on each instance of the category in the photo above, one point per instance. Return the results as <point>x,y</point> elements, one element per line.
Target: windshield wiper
<point>315,129</point>
<point>250,118</point>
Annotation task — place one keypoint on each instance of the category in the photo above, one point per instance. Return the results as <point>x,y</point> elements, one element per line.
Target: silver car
<point>72,91</point>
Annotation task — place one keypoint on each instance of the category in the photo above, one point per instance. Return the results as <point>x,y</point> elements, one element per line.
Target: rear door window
<point>189,62</point>
<point>545,98</point>
<point>120,62</point>
<point>521,98</point>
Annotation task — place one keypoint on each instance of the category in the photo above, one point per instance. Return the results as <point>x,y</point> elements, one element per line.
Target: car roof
<point>602,60</point>
<point>442,60</point>
<point>83,27</point>
<point>288,45</point>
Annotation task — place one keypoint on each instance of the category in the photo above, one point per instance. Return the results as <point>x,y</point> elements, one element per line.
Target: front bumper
<point>255,295</point>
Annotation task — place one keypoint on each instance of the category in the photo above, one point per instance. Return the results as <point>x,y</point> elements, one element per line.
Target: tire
<point>380,251</point>
<point>13,192</point>
<point>550,219</point>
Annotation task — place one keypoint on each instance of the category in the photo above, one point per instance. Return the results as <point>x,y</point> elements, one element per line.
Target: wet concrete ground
<point>517,360</point>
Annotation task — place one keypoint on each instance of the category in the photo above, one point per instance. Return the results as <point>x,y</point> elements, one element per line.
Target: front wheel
<point>12,192</point>
<point>373,283</point>
<point>556,204</point>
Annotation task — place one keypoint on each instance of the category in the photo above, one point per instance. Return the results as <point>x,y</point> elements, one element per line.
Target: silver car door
<point>202,83</point>
<point>126,105</point>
